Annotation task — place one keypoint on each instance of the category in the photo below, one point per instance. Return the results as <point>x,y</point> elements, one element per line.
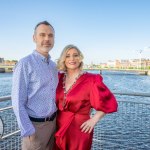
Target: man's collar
<point>40,56</point>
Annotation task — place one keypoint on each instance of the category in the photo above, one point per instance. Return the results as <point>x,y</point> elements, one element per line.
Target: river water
<point>129,129</point>
<point>5,84</point>
<point>115,80</point>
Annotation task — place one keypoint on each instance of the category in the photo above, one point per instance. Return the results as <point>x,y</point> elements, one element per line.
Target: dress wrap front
<point>88,92</point>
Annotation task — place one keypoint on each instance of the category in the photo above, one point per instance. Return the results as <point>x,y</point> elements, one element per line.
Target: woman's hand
<point>88,125</point>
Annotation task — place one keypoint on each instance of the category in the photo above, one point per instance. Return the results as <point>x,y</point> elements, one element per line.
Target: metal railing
<point>127,129</point>
<point>10,137</point>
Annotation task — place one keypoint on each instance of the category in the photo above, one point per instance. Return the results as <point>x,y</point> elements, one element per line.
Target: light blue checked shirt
<point>35,79</point>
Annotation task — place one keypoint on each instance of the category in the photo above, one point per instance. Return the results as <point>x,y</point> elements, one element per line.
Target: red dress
<point>88,92</point>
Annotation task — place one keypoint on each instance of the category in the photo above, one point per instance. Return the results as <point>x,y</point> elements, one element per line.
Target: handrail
<point>9,107</point>
<point>132,94</point>
<point>10,134</point>
<point>4,98</point>
<point>95,139</point>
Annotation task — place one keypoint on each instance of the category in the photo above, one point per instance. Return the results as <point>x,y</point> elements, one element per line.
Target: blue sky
<point>102,29</point>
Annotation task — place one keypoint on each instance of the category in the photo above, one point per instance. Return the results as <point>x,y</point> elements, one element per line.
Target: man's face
<point>44,39</point>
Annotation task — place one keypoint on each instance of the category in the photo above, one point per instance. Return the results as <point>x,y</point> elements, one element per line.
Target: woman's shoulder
<point>61,74</point>
<point>93,76</point>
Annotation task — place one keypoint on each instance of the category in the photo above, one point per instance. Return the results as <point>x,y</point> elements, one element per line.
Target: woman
<point>77,93</point>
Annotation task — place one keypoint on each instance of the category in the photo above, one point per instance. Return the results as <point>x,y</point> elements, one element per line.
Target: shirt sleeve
<point>20,83</point>
<point>101,97</point>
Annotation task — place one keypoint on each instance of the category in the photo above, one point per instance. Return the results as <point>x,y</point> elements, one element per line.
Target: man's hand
<point>32,137</point>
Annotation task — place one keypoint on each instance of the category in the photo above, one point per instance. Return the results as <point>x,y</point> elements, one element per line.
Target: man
<point>35,79</point>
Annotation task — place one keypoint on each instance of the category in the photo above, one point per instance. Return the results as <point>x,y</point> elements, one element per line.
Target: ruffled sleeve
<point>101,97</point>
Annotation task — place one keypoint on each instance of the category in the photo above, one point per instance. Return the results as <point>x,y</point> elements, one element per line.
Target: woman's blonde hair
<point>61,61</point>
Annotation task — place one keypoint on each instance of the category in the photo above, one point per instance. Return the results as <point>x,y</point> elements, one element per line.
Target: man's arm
<point>20,97</point>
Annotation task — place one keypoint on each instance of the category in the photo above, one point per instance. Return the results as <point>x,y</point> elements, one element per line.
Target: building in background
<point>1,60</point>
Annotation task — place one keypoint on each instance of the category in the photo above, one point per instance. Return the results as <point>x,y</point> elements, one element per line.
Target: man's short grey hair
<point>45,23</point>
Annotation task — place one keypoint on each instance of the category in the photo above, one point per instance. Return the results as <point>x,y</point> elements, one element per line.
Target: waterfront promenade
<point>9,68</point>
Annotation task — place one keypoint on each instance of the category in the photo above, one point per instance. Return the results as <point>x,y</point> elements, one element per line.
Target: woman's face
<point>72,60</point>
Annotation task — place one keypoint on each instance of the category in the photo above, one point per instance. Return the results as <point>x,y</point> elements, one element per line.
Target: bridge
<point>6,68</point>
<point>138,71</point>
<point>9,68</point>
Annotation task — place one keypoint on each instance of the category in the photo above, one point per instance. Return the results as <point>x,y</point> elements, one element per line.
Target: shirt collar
<point>43,58</point>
